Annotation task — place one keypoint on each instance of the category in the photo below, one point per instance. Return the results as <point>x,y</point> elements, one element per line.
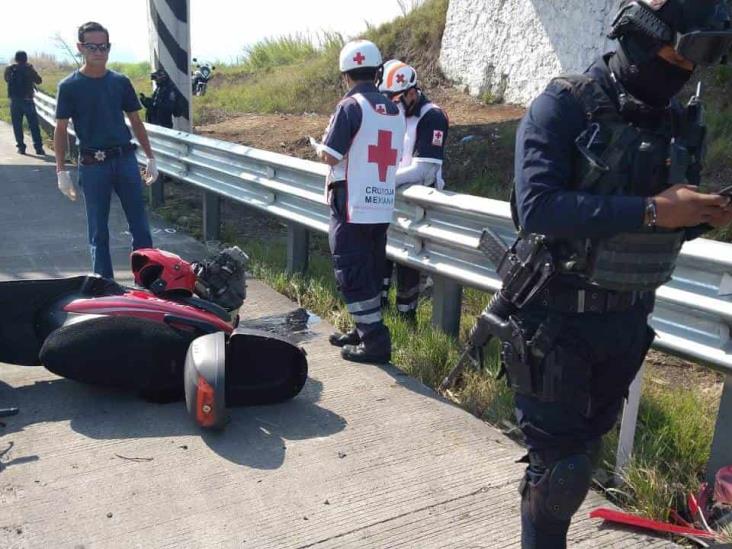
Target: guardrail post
<point>721,454</point>
<point>628,425</point>
<point>157,192</point>
<point>298,245</point>
<point>447,297</point>
<point>211,216</point>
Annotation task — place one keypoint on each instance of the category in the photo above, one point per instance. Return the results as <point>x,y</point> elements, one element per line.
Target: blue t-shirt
<point>431,132</point>
<point>346,121</point>
<point>97,107</point>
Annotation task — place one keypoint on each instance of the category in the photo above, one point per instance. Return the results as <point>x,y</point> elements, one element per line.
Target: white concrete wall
<point>512,48</point>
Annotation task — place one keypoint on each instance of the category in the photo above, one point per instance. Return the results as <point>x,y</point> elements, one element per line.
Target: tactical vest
<point>614,157</point>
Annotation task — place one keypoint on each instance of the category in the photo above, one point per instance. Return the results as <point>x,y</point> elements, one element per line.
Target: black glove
<point>144,100</point>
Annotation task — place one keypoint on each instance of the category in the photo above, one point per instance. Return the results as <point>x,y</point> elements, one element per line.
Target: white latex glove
<point>66,185</point>
<point>439,182</point>
<point>151,171</point>
<point>315,145</point>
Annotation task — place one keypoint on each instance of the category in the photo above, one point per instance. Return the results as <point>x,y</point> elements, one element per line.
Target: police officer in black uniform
<point>607,164</point>
<point>165,103</point>
<point>22,79</point>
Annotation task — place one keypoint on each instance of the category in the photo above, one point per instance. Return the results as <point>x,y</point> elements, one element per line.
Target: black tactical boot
<point>366,355</point>
<point>375,348</point>
<point>21,149</point>
<point>340,339</point>
<point>40,151</point>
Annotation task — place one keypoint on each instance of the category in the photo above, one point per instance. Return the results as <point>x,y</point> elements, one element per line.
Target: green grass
<point>675,427</point>
<point>139,72</point>
<point>292,49</point>
<point>313,87</point>
<point>299,73</point>
<point>416,37</point>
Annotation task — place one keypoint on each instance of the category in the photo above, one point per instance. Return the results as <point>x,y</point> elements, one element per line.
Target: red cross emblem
<point>437,136</point>
<point>400,78</point>
<point>382,154</point>
<point>359,59</point>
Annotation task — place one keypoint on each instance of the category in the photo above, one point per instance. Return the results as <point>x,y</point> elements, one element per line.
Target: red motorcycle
<point>93,330</point>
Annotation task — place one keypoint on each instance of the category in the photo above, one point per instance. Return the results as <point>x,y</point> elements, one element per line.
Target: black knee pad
<point>553,494</point>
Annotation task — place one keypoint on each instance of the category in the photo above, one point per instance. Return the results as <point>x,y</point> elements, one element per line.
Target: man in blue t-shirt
<point>96,100</point>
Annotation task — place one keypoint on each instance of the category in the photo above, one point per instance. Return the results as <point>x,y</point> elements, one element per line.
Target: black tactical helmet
<point>699,30</point>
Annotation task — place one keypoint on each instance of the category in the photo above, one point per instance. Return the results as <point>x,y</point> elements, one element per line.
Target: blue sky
<point>219,28</point>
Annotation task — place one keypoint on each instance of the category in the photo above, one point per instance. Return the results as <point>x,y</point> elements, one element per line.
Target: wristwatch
<point>649,214</point>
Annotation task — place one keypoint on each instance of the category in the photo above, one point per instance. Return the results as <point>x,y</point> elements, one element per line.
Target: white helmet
<point>359,54</point>
<point>397,77</point>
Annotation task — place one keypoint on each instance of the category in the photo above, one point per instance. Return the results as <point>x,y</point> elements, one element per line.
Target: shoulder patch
<point>380,108</point>
<point>437,138</point>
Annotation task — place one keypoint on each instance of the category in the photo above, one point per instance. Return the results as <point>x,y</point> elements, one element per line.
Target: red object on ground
<point>142,304</point>
<point>723,485</point>
<point>649,524</point>
<point>693,504</point>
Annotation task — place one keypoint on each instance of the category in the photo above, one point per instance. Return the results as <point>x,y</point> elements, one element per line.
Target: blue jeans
<point>18,109</point>
<point>97,181</point>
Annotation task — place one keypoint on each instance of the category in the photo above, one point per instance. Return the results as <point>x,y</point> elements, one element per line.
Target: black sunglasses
<point>101,48</point>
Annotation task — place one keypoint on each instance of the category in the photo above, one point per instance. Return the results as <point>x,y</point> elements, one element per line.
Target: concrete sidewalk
<point>364,457</point>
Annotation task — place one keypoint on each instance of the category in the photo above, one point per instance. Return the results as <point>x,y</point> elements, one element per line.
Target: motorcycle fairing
<point>245,368</point>
<point>33,309</point>
<point>21,301</point>
<point>263,368</point>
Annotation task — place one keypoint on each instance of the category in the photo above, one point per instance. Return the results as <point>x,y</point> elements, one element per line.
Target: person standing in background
<point>421,164</point>
<point>22,78</point>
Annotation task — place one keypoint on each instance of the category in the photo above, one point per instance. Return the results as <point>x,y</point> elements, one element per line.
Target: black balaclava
<point>652,80</point>
<point>409,110</point>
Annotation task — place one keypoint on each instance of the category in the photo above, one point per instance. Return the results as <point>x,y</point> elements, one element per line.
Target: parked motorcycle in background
<point>201,76</point>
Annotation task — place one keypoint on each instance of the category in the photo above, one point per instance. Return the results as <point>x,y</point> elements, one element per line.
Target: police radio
<point>687,150</point>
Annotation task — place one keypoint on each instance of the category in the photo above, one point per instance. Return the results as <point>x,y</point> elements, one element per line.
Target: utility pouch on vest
<point>595,167</point>
<point>635,261</point>
<point>679,162</point>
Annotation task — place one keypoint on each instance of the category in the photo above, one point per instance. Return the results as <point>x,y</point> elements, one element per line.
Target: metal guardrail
<point>438,232</point>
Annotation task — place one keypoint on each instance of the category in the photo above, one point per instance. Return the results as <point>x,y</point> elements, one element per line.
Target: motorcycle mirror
<point>194,60</point>
<point>213,68</point>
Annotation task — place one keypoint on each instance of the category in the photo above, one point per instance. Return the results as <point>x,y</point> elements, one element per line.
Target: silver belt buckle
<point>99,156</point>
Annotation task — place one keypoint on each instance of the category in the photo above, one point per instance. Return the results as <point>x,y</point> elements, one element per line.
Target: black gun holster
<point>527,362</point>
<point>525,268</point>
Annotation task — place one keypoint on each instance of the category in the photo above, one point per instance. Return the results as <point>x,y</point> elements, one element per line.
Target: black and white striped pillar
<point>170,48</point>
